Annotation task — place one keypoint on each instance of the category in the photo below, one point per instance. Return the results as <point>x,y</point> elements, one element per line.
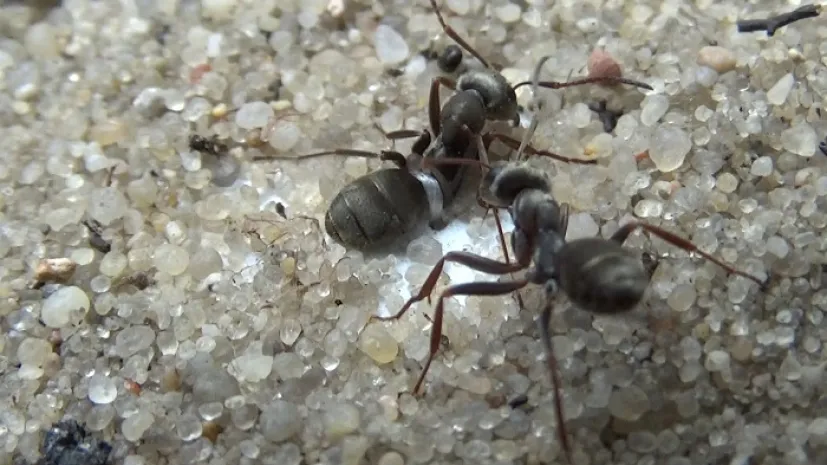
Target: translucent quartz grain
<point>279,421</point>
<point>653,109</point>
<point>66,305</point>
<point>778,93</point>
<point>800,139</point>
<point>34,351</point>
<point>106,205</point>
<point>391,458</point>
<point>252,367</point>
<point>133,427</point>
<point>254,115</point>
<point>628,403</point>
<point>133,339</point>
<point>171,259</point>
<point>377,344</point>
<point>391,47</point>
<point>341,420</point>
<point>669,147</point>
<point>102,389</point>
<point>290,331</point>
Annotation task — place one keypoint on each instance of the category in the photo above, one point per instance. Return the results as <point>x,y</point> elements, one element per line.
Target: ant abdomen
<point>377,208</point>
<point>600,276</point>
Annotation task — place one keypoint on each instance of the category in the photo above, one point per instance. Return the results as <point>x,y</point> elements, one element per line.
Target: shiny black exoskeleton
<point>598,275</point>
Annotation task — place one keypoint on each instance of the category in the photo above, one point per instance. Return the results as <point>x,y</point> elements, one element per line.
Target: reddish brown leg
<point>450,32</point>
<point>544,321</point>
<point>621,234</point>
<point>384,155</point>
<point>471,289</point>
<point>515,145</point>
<point>402,134</point>
<point>434,110</point>
<point>473,261</point>
<point>589,80</point>
<point>482,149</point>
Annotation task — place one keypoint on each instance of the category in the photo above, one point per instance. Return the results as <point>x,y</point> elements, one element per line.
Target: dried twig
<point>777,22</point>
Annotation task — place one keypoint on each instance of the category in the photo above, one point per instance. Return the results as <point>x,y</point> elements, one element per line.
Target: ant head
<point>506,181</point>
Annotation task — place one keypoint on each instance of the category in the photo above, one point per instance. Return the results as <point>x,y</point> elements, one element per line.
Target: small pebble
<point>508,13</point>
<point>581,224</point>
<point>669,147</point>
<point>718,58</point>
<point>279,421</point>
<point>102,389</point>
<point>601,64</point>
<point>800,139</point>
<point>171,259</point>
<point>57,270</point>
<point>34,351</point>
<point>218,9</point>
<point>254,115</point>
<point>395,458</point>
<point>66,305</point>
<point>762,166</point>
<point>778,93</point>
<point>391,48</point>
<point>341,420</point>
<point>377,344</point>
<point>628,403</point>
<point>653,108</point>
<point>107,205</point>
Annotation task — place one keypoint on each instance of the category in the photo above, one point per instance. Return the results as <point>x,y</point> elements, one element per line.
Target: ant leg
<point>473,261</point>
<point>419,146</point>
<point>544,321</point>
<point>622,233</point>
<point>450,32</point>
<point>403,134</point>
<point>482,149</point>
<point>588,80</point>
<point>434,110</point>
<point>385,155</point>
<point>515,145</point>
<point>564,217</point>
<point>480,288</point>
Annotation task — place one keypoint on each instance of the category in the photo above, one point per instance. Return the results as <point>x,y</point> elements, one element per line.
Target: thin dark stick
<point>777,22</point>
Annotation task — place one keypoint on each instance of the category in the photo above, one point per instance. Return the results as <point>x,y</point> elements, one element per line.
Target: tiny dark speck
<point>394,72</point>
<point>518,401</point>
<point>823,147</point>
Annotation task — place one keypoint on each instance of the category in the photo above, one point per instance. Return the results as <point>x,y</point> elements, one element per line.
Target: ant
<point>384,205</point>
<point>209,145</point>
<point>598,275</point>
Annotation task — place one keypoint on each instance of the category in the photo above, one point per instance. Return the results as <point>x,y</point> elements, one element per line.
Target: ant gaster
<point>597,275</point>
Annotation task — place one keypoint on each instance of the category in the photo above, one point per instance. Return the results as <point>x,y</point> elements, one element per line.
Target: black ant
<point>598,275</point>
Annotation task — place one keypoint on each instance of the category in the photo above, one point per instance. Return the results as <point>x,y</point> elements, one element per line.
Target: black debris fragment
<point>209,145</point>
<point>68,443</point>
<point>607,117</point>
<point>518,401</point>
<point>777,22</point>
<point>96,240</point>
<point>822,146</point>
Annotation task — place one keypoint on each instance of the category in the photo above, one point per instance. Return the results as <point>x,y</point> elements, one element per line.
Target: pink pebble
<point>601,64</point>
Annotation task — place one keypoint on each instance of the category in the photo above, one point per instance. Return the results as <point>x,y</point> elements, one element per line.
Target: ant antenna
<point>537,104</point>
